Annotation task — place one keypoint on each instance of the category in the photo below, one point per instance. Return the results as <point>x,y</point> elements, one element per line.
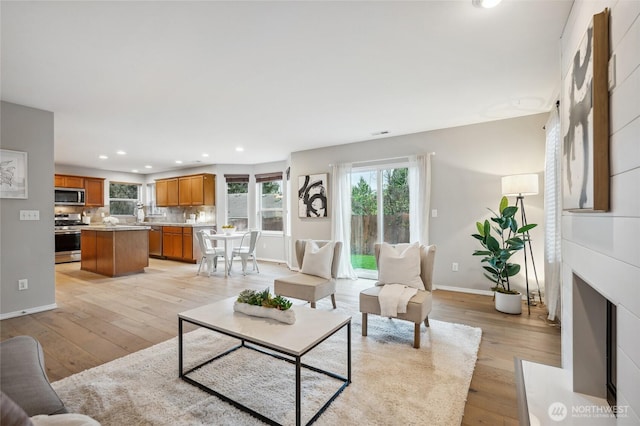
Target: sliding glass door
<point>380,213</point>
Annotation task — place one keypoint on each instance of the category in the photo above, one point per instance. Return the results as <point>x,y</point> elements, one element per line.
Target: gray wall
<point>27,247</point>
<point>466,179</point>
<point>602,248</point>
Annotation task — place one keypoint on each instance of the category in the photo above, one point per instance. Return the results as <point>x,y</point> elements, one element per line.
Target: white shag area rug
<point>392,383</point>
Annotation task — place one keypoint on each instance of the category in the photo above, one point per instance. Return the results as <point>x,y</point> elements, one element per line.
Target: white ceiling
<point>168,81</point>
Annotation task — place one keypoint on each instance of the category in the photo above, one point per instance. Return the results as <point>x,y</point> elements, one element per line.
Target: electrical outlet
<point>454,266</point>
<point>434,212</point>
<point>23,284</point>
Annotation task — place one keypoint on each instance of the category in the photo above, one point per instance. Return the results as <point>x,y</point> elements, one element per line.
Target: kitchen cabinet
<point>187,244</point>
<point>172,242</point>
<point>93,187</point>
<point>167,192</point>
<point>93,192</point>
<point>65,181</point>
<point>180,243</point>
<point>114,251</point>
<point>197,190</point>
<point>192,190</point>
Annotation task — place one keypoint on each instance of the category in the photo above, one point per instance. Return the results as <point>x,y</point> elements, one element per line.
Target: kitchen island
<point>114,250</point>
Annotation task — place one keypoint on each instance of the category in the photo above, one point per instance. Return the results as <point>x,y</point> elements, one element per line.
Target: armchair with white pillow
<point>404,284</point>
<point>318,261</point>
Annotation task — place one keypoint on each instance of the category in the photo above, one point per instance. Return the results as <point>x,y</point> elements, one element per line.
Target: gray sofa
<point>23,378</point>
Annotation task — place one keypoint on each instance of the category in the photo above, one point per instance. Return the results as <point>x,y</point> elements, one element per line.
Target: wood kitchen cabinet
<point>193,190</point>
<point>65,181</point>
<point>197,190</point>
<point>180,243</point>
<point>93,187</point>
<point>167,192</point>
<point>172,242</point>
<point>93,192</point>
<point>187,244</point>
<point>114,251</point>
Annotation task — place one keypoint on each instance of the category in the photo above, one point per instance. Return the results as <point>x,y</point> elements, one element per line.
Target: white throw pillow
<point>400,265</point>
<point>317,260</point>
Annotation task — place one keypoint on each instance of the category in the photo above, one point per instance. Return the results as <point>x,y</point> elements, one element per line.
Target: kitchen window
<point>270,203</point>
<point>238,201</point>
<point>123,198</point>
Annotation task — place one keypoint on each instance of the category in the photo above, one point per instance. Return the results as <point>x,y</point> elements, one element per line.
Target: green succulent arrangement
<point>264,299</point>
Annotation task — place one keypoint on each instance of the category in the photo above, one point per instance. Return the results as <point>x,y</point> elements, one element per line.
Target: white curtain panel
<point>419,197</point>
<point>341,223</point>
<point>553,214</point>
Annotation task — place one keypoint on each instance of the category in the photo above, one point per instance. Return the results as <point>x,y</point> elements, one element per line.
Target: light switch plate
<point>612,72</point>
<point>29,214</point>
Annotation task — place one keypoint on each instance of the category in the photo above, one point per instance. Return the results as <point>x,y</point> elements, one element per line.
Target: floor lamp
<point>521,185</point>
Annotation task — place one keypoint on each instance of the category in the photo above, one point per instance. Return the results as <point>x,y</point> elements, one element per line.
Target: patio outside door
<point>380,213</point>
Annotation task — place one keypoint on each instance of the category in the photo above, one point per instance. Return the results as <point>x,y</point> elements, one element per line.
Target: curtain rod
<point>378,160</point>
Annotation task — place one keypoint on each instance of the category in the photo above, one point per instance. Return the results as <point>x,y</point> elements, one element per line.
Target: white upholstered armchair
<point>419,306</point>
<point>318,262</point>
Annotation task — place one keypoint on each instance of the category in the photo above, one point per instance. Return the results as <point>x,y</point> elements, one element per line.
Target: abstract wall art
<point>585,118</point>
<point>312,195</point>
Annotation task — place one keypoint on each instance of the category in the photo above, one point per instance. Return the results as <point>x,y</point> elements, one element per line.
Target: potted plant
<point>500,241</point>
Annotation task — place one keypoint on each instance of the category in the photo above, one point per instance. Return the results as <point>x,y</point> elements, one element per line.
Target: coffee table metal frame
<point>291,357</point>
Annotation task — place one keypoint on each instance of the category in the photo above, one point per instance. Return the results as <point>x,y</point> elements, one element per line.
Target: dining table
<point>227,246</point>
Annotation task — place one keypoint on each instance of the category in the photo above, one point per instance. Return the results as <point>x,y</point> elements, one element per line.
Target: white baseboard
<point>464,290</point>
<point>28,311</point>
<point>264,259</point>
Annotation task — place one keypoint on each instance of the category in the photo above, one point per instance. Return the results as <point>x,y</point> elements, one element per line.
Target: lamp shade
<point>520,184</point>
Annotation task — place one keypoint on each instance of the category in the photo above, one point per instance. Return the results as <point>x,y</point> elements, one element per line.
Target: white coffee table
<point>311,328</point>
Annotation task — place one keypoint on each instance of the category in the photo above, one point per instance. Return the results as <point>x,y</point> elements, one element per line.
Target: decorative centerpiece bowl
<point>228,229</point>
<point>263,304</point>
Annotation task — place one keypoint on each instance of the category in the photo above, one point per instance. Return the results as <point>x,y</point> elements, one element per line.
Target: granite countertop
<point>183,224</point>
<point>116,228</point>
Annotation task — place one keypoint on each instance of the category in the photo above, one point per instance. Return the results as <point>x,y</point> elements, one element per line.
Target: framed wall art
<point>312,195</point>
<point>585,118</point>
<point>13,174</point>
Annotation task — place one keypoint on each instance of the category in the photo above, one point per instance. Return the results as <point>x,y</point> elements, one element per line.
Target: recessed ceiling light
<point>178,161</point>
<point>239,149</point>
<point>102,157</point>
<point>205,155</point>
<point>121,152</point>
<point>134,171</point>
<point>487,4</point>
<point>148,167</point>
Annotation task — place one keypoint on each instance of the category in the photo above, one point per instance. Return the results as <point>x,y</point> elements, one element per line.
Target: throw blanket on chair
<point>394,298</point>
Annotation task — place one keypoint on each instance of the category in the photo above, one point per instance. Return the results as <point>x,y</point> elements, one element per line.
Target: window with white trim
<point>270,201</point>
<point>238,201</point>
<point>123,198</point>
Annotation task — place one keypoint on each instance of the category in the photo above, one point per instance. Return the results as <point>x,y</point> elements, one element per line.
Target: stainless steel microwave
<point>69,196</point>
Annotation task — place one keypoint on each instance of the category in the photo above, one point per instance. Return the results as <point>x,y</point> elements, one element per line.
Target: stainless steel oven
<point>67,237</point>
<point>67,245</point>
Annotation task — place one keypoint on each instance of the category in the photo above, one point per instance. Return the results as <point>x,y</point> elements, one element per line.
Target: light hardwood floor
<point>100,319</point>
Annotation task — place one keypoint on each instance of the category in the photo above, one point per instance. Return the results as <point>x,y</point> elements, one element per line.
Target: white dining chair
<point>210,253</point>
<point>246,251</point>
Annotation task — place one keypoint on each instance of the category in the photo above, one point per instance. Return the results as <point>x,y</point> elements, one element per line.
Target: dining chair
<point>246,251</point>
<point>210,253</point>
